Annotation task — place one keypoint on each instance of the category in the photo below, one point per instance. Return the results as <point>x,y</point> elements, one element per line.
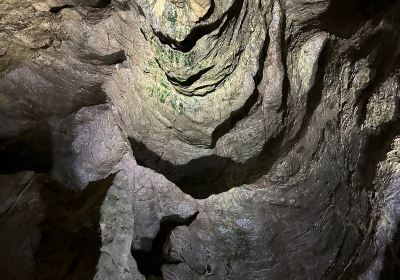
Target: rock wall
<point>199,139</point>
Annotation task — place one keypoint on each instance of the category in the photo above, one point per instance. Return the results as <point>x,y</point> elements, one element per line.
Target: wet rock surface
<point>199,139</point>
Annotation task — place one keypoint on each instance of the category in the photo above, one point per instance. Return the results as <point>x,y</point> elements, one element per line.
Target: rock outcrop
<point>199,139</point>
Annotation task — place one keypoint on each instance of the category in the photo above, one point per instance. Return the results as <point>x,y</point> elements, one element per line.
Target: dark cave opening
<point>29,150</point>
<point>150,262</point>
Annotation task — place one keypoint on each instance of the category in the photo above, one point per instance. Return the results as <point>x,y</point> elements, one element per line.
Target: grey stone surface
<point>199,139</point>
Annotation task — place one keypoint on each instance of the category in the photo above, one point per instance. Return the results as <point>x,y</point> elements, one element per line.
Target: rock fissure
<point>248,139</point>
<point>150,262</point>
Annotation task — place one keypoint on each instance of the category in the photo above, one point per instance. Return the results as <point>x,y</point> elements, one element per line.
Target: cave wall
<point>194,139</point>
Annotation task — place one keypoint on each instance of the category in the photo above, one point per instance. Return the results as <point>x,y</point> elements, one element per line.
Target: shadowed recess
<point>391,263</point>
<point>345,17</point>
<point>29,150</point>
<point>201,30</point>
<point>70,242</point>
<point>150,262</point>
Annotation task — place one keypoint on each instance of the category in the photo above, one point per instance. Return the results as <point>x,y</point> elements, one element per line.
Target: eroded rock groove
<point>199,139</point>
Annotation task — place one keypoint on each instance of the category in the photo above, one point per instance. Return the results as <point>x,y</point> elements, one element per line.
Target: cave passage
<point>150,262</point>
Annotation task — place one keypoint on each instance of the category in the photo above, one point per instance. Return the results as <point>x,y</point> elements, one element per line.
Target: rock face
<point>199,139</point>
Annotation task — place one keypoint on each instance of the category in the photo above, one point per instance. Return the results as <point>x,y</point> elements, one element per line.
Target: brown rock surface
<point>199,139</point>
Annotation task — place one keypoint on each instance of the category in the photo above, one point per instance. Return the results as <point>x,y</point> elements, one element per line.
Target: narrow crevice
<point>150,262</point>
<point>234,118</point>
<point>56,10</point>
<point>203,90</point>
<point>115,58</point>
<point>286,83</point>
<point>189,80</point>
<point>108,59</point>
<point>102,4</point>
<point>199,31</point>
<point>209,12</point>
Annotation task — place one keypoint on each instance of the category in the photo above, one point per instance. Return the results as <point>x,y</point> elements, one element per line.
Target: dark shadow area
<point>286,86</point>
<point>56,10</point>
<point>96,3</point>
<point>108,59</point>
<point>189,80</point>
<point>150,262</point>
<point>391,262</point>
<point>209,175</point>
<point>89,3</point>
<point>201,30</point>
<point>370,8</point>
<point>70,233</point>
<point>29,150</point>
<point>209,12</point>
<point>344,17</point>
<point>102,3</point>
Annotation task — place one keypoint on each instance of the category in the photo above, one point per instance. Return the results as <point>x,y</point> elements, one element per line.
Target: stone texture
<point>199,139</point>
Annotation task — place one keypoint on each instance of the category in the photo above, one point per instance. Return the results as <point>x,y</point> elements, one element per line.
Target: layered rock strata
<point>199,139</point>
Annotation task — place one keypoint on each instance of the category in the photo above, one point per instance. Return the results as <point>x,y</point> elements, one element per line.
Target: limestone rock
<point>199,139</point>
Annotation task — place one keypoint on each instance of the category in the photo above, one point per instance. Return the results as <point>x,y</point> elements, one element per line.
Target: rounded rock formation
<point>194,139</point>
